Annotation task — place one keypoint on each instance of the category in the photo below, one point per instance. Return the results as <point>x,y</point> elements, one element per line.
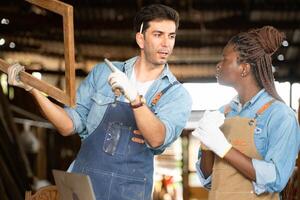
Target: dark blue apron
<point>127,173</point>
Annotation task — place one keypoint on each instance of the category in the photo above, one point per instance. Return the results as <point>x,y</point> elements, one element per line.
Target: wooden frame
<point>68,97</point>
<point>46,193</point>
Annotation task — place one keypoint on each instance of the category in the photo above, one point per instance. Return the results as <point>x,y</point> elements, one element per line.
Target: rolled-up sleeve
<point>205,182</point>
<point>78,126</point>
<point>265,174</point>
<point>83,103</point>
<point>173,110</point>
<point>273,172</point>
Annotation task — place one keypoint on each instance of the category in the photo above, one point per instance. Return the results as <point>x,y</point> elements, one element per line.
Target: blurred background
<point>32,36</point>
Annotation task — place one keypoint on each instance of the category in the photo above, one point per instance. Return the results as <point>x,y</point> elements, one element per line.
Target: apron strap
<point>159,94</point>
<point>227,108</point>
<point>264,108</point>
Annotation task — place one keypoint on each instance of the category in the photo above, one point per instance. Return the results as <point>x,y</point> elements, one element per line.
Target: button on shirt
<point>277,139</point>
<point>94,94</point>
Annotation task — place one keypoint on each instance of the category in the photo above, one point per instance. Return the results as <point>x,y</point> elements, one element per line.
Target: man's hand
<point>13,73</point>
<point>210,135</point>
<point>119,81</point>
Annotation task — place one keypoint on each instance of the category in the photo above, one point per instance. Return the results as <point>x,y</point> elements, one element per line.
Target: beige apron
<point>227,182</point>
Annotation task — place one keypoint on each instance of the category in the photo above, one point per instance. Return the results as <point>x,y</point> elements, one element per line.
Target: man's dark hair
<point>154,12</point>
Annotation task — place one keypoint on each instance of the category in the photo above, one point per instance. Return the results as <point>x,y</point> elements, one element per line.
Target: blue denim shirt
<point>277,139</point>
<point>94,94</point>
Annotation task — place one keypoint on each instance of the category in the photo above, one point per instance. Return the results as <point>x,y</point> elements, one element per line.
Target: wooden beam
<point>69,54</point>
<point>52,5</point>
<point>68,97</point>
<point>38,84</point>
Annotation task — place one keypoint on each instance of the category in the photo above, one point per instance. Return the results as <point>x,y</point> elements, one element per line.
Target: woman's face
<point>228,71</point>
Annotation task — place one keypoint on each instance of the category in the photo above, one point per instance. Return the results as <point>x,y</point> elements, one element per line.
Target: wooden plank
<point>38,84</point>
<point>69,55</point>
<point>52,5</point>
<point>68,97</point>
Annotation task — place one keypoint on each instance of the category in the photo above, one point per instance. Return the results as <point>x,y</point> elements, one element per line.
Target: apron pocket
<point>112,137</point>
<point>130,188</point>
<point>101,182</point>
<point>116,139</point>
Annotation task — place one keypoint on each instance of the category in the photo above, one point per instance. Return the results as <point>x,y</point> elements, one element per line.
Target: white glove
<point>118,80</point>
<point>13,73</point>
<point>213,117</point>
<point>210,135</point>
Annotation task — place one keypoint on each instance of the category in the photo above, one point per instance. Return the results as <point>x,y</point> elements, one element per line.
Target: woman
<point>252,155</point>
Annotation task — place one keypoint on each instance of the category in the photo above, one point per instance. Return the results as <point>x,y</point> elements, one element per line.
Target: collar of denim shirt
<point>129,64</point>
<point>237,106</point>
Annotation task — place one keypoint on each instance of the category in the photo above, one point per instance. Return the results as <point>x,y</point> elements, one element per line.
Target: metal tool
<point>110,65</point>
<point>117,91</point>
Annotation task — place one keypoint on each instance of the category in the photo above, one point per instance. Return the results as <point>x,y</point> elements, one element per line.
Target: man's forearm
<point>54,113</point>
<point>152,129</point>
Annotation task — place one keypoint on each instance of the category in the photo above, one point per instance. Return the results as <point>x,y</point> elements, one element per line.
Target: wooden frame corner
<point>67,97</point>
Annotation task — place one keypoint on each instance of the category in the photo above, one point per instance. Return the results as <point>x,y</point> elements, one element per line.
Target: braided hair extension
<point>256,47</point>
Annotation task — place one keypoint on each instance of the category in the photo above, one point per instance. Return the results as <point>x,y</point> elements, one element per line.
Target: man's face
<point>158,42</point>
<point>228,71</point>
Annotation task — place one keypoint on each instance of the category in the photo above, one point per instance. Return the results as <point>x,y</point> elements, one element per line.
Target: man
<point>121,134</point>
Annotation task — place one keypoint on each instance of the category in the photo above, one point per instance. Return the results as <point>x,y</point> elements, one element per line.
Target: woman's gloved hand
<point>209,133</point>
<point>13,74</point>
<point>214,117</point>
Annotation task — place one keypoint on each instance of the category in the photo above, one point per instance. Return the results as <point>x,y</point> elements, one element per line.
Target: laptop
<point>73,186</point>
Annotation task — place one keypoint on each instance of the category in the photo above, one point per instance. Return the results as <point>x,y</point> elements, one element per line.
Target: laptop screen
<point>73,186</point>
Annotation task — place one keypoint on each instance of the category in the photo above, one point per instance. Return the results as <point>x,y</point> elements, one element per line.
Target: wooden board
<point>67,97</point>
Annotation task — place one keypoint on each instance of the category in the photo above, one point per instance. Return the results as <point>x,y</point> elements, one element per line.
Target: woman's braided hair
<point>256,47</point>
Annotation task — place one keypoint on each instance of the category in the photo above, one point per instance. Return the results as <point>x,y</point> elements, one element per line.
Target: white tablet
<point>73,186</point>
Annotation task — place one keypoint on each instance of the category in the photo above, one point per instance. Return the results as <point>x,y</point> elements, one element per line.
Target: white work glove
<point>209,133</point>
<point>213,117</point>
<point>119,81</point>
<point>13,73</point>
